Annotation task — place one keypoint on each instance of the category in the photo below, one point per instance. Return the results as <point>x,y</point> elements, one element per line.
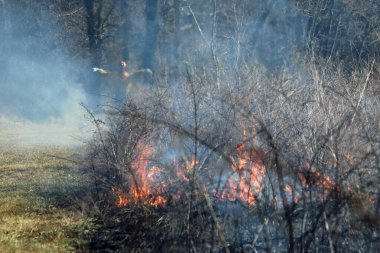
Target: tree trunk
<point>170,44</point>
<point>93,86</point>
<point>151,30</point>
<point>124,29</point>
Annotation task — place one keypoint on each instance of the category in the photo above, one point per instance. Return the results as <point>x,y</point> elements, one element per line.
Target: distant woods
<point>147,31</point>
<point>166,35</point>
<point>346,30</point>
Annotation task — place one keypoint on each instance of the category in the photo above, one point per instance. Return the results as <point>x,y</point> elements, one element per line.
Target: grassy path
<point>40,201</point>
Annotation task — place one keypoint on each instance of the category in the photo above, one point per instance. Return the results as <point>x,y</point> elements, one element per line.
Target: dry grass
<point>39,211</point>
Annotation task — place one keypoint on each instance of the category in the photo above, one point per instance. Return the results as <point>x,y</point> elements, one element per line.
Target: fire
<point>317,178</point>
<point>247,177</point>
<point>122,199</point>
<point>149,183</point>
<point>146,187</point>
<point>244,183</point>
<point>183,170</point>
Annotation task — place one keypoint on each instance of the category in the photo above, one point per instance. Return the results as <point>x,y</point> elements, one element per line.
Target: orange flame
<point>144,188</point>
<point>184,169</point>
<point>247,177</point>
<point>244,183</point>
<point>122,199</point>
<point>317,178</point>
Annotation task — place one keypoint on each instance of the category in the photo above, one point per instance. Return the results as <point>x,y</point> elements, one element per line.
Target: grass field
<point>40,205</point>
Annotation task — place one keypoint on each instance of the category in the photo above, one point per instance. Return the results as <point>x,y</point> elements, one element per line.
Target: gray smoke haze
<point>40,94</point>
<point>39,97</point>
<point>39,89</point>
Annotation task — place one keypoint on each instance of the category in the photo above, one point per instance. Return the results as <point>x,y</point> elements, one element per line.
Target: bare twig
<point>259,230</point>
<point>213,214</point>
<point>328,233</point>
<point>363,90</point>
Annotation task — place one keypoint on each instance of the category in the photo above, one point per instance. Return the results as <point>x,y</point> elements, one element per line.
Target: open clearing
<point>40,200</point>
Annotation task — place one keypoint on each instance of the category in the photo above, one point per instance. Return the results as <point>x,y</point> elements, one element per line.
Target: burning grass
<point>150,184</point>
<point>38,208</point>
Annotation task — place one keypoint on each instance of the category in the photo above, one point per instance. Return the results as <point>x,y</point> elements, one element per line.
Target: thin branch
<point>70,13</point>
<point>363,90</point>
<point>328,233</point>
<point>259,230</point>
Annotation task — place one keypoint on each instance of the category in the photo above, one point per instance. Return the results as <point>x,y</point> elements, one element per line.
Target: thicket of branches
<point>314,129</point>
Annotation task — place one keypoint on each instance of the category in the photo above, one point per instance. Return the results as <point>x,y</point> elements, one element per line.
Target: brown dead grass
<point>38,208</point>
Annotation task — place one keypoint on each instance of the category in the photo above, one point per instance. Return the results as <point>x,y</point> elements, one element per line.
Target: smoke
<point>39,89</point>
<point>43,95</point>
<point>40,93</point>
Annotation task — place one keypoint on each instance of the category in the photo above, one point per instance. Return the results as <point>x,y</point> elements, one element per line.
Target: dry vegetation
<point>40,201</point>
<point>302,147</point>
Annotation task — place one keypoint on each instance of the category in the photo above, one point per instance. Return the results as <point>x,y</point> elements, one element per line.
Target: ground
<point>40,200</point>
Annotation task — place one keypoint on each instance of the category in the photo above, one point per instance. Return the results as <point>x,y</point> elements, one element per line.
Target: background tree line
<point>162,35</point>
